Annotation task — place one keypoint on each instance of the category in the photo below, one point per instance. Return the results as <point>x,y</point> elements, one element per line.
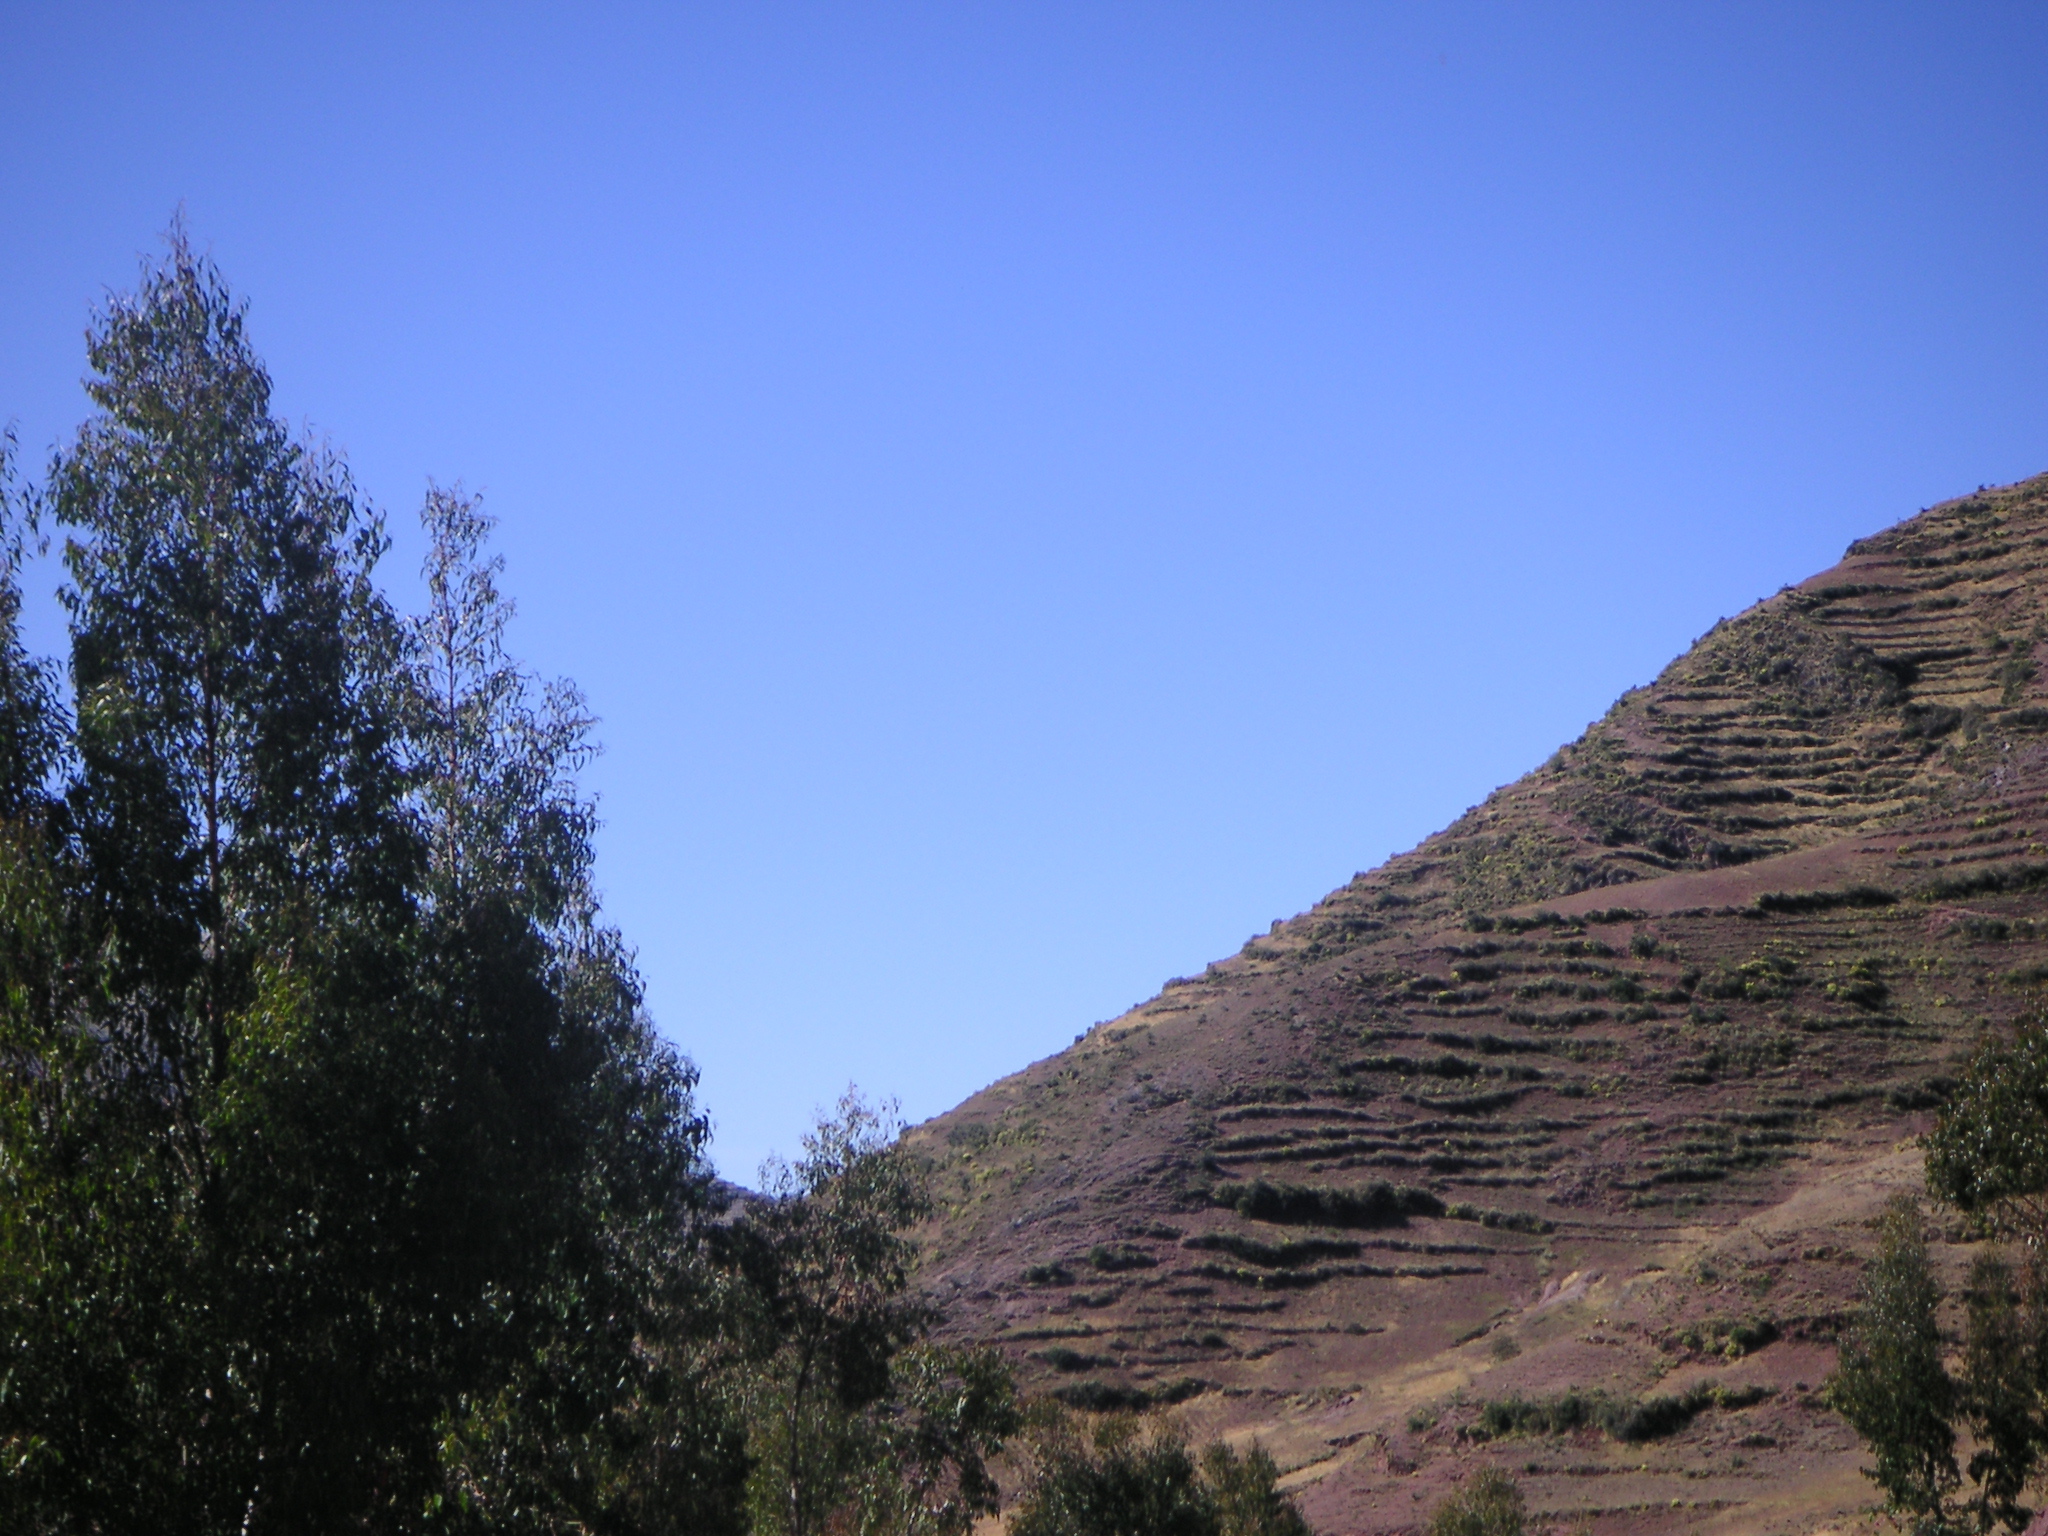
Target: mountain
<point>1593,1092</point>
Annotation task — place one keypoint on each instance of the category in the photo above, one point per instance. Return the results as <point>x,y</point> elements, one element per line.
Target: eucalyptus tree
<point>206,985</point>
<point>860,1421</point>
<point>346,1183</point>
<point>1891,1384</point>
<point>619,1409</point>
<point>831,1270</point>
<point>1987,1157</point>
<point>495,751</point>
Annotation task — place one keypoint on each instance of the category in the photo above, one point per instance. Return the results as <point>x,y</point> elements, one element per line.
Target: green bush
<point>1377,1204</point>
<point>1732,1338</point>
<point>1825,901</point>
<point>1061,1358</point>
<point>1129,1478</point>
<point>1558,1415</point>
<point>1928,721</point>
<point>1626,1419</point>
<point>1103,1397</point>
<point>1293,1254</point>
<point>1507,1221</point>
<point>1114,1258</point>
<point>1488,1503</point>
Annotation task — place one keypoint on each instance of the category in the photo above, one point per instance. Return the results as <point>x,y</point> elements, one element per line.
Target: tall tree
<point>608,1410</point>
<point>1987,1156</point>
<point>219,909</point>
<point>347,1183</point>
<point>495,752</point>
<point>1891,1384</point>
<point>227,647</point>
<point>1999,1388</point>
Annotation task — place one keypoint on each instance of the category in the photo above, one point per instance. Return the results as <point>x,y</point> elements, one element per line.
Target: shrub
<point>1127,1478</point>
<point>1732,1338</point>
<point>1508,1221</point>
<point>1862,896</point>
<point>1288,1255</point>
<point>1103,1397</point>
<point>1061,1358</point>
<point>1546,1416</point>
<point>1985,930</point>
<point>1114,1258</point>
<point>1625,1419</point>
<point>1999,877</point>
<point>1377,1204</point>
<point>1928,721</point>
<point>1488,1503</point>
<point>1614,915</point>
<point>1246,1492</point>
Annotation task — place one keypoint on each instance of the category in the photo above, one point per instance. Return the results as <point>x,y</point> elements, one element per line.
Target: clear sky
<point>1037,492</point>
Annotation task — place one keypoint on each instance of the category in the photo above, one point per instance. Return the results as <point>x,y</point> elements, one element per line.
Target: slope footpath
<point>1593,1091</point>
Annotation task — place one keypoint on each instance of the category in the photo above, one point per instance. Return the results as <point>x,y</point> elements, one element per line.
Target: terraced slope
<point>1550,1143</point>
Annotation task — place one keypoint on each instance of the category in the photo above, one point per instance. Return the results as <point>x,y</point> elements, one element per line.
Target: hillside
<point>1594,1089</point>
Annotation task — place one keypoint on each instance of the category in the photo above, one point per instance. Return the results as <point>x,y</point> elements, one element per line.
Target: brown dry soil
<point>1613,1072</point>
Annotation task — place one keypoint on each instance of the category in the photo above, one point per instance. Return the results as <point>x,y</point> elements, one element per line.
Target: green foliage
<point>1293,1254</point>
<point>1626,1419</point>
<point>1488,1503</point>
<point>336,1193</point>
<point>1247,1494</point>
<point>1928,721</point>
<point>1769,977</point>
<point>32,736</point>
<point>1731,1338</point>
<point>1126,1478</point>
<point>1999,1390</point>
<point>2014,673</point>
<point>1115,1258</point>
<point>1891,1385</point>
<point>1988,1152</point>
<point>831,1272</point>
<point>1987,1155</point>
<point>1103,1397</point>
<point>1506,1221</point>
<point>1652,1418</point>
<point>1558,1415</point>
<point>1061,1358</point>
<point>928,1440</point>
<point>855,1417</point>
<point>1377,1204</point>
<point>493,752</point>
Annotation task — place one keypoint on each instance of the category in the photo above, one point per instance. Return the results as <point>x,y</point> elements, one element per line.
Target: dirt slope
<point>1593,1090</point>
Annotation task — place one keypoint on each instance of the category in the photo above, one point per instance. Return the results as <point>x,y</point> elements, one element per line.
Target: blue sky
<point>1037,492</point>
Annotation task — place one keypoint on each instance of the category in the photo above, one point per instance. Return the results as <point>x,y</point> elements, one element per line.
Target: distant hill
<point>1594,1089</point>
